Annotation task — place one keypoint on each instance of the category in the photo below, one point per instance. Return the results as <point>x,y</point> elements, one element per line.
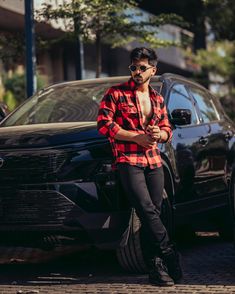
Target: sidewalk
<point>208,264</point>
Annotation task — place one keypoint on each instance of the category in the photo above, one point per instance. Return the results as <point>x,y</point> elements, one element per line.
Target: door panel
<point>191,162</point>
<point>189,144</point>
<point>216,148</point>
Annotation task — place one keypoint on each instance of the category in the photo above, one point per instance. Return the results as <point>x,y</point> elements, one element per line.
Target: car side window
<point>205,104</point>
<point>157,86</point>
<point>180,99</point>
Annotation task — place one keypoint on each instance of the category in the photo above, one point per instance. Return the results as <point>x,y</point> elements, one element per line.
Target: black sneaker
<point>158,274</point>
<point>172,261</point>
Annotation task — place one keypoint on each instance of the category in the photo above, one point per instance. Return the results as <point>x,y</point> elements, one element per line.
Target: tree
<point>219,61</point>
<point>113,22</point>
<point>220,15</point>
<point>15,89</point>
<point>12,49</point>
<point>192,11</point>
<point>219,57</point>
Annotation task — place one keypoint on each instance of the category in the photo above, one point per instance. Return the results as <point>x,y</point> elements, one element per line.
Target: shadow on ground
<point>206,260</point>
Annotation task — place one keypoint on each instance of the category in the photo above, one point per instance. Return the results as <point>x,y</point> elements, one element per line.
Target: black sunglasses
<point>140,67</point>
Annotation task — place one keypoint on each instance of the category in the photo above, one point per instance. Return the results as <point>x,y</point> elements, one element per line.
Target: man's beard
<point>139,80</point>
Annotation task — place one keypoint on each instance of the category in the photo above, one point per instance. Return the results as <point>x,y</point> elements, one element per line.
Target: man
<point>134,118</point>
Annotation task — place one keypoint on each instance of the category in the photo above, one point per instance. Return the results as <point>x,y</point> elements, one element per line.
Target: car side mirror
<point>181,117</point>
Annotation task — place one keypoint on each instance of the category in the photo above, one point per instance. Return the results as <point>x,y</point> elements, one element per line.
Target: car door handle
<point>228,135</point>
<point>203,141</point>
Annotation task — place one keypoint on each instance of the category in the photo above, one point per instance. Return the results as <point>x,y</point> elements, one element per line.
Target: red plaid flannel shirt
<point>120,108</point>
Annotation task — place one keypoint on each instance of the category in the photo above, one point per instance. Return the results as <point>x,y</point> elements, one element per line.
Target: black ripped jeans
<point>144,189</point>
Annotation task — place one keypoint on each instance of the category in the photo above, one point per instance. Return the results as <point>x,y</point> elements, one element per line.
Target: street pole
<point>79,53</point>
<point>31,80</point>
<point>79,59</point>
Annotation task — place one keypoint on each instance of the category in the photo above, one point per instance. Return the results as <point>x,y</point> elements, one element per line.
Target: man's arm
<point>161,132</point>
<point>164,124</point>
<point>157,134</point>
<point>143,140</point>
<point>105,123</point>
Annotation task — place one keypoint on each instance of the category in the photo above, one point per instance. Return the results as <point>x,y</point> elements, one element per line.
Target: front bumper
<point>47,218</point>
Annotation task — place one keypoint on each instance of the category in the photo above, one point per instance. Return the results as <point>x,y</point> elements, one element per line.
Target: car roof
<point>117,79</point>
<point>168,77</point>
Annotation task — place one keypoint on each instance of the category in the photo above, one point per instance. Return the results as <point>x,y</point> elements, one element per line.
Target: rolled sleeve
<point>164,123</point>
<point>105,123</point>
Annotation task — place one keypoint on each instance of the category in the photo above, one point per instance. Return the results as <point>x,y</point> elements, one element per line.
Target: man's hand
<point>154,132</point>
<point>145,140</point>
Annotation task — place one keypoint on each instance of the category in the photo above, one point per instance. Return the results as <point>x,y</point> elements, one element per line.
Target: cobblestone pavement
<point>208,264</point>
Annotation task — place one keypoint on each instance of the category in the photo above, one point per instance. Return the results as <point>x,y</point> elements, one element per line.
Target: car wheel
<point>185,233</point>
<point>225,223</point>
<point>232,207</point>
<point>224,226</point>
<point>224,219</point>
<point>130,256</point>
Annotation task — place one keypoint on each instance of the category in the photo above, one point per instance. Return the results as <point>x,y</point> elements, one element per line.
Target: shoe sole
<point>162,284</point>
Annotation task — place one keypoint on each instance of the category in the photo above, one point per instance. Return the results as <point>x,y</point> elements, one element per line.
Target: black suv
<point>59,186</point>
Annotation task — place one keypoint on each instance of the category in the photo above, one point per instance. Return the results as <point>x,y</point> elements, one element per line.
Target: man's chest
<point>138,102</point>
<point>145,104</point>
<point>134,111</point>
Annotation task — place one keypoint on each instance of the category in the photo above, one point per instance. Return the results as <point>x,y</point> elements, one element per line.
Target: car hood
<point>44,135</point>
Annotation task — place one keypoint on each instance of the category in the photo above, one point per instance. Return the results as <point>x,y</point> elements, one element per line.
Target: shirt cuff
<point>113,130</point>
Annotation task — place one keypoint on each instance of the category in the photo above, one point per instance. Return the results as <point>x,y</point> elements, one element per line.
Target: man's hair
<point>143,52</point>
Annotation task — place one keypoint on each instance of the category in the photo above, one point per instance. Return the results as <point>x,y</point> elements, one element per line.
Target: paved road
<point>208,263</point>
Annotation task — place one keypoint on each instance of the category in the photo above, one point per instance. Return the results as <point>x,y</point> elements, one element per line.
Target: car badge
<point>1,162</point>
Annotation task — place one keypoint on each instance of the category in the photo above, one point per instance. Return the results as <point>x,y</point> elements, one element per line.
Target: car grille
<point>31,166</point>
<point>33,207</point>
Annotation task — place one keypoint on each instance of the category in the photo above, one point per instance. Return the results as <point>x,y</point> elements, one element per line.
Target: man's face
<point>141,71</point>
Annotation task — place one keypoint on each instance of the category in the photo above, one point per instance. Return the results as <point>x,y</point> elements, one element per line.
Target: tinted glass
<point>205,104</point>
<point>179,98</point>
<point>157,86</point>
<point>72,103</point>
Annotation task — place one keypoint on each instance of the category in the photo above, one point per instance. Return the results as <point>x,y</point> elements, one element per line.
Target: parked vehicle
<point>58,184</point>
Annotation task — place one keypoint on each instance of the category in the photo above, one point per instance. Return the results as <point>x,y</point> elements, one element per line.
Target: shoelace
<point>160,264</point>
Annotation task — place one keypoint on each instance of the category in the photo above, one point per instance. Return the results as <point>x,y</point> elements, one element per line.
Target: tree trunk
<point>98,56</point>
<point>199,34</point>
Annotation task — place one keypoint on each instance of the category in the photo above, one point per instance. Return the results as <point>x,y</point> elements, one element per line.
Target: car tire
<point>185,233</point>
<point>225,227</point>
<point>130,256</point>
<point>225,224</point>
<point>232,206</point>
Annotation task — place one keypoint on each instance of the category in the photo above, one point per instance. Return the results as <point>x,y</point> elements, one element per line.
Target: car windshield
<point>64,103</point>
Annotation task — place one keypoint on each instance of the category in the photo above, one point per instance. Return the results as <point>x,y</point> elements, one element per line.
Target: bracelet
<point>168,135</point>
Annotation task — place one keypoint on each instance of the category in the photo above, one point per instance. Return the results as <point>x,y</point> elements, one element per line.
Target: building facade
<point>57,61</point>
